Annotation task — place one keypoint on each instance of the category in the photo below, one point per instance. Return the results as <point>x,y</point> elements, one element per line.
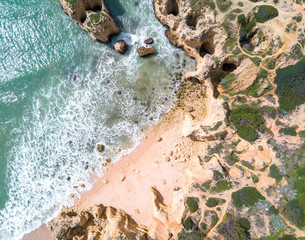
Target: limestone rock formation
<point>93,17</point>
<point>97,222</point>
<point>144,51</point>
<point>120,46</point>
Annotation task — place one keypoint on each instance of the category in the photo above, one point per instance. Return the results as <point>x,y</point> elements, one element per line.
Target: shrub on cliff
<point>192,203</point>
<point>291,85</point>
<point>246,196</point>
<point>231,228</point>
<point>265,13</point>
<point>294,213</point>
<point>246,120</point>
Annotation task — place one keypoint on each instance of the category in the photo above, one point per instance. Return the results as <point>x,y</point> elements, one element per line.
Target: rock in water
<point>120,47</point>
<point>100,148</point>
<point>93,17</point>
<point>149,41</point>
<point>143,51</point>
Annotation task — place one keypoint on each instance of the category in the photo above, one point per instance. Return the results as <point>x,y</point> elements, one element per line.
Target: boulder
<point>149,41</point>
<point>144,51</point>
<point>93,17</point>
<point>120,46</point>
<point>100,148</point>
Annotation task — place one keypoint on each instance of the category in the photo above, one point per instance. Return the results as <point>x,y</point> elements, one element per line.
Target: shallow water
<point>50,124</point>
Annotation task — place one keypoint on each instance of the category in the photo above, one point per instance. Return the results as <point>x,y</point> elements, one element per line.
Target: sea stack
<point>93,17</point>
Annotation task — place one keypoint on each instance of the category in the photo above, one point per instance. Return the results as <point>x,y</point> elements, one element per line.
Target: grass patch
<point>291,85</point>
<point>192,203</point>
<point>246,120</point>
<point>246,196</point>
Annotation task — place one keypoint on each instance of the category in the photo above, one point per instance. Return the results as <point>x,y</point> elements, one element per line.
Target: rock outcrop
<point>97,222</point>
<point>144,51</point>
<point>93,17</point>
<point>120,46</point>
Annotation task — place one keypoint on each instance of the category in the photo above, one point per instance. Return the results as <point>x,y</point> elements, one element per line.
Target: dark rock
<point>143,51</point>
<point>149,41</point>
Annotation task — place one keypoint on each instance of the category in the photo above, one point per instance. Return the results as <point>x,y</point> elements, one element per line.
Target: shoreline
<point>128,176</point>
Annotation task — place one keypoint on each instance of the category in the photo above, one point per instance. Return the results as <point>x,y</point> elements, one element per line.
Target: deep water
<point>59,99</point>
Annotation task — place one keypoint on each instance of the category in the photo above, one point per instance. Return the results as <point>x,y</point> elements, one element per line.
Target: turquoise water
<point>51,121</point>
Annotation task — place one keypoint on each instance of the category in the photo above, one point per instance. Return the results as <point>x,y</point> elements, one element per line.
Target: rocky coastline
<point>234,137</point>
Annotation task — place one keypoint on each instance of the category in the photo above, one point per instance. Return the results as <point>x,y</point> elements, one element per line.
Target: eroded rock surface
<point>144,51</point>
<point>97,222</point>
<point>93,17</point>
<point>120,46</point>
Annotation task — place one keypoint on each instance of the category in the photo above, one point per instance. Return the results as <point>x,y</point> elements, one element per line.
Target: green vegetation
<point>246,120</point>
<point>294,213</point>
<point>188,224</point>
<point>291,131</point>
<point>194,235</point>
<point>230,228</point>
<point>212,202</point>
<point>246,196</point>
<point>197,5</point>
<point>255,89</point>
<point>291,85</point>
<point>301,134</point>
<point>223,5</point>
<point>227,81</point>
<point>71,1</point>
<point>222,185</point>
<point>247,24</point>
<point>95,18</point>
<point>270,63</point>
<point>275,173</point>
<point>287,237</point>
<point>192,203</point>
<point>265,13</point>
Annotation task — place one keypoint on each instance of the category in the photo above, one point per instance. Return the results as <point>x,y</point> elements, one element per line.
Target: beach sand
<point>126,184</point>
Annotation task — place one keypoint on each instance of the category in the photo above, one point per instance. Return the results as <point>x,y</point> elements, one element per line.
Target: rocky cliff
<point>93,17</point>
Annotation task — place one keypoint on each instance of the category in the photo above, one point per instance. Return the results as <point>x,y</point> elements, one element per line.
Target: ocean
<point>59,99</point>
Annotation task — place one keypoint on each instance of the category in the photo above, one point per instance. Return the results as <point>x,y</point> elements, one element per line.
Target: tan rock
<point>144,51</point>
<point>120,46</point>
<point>93,17</point>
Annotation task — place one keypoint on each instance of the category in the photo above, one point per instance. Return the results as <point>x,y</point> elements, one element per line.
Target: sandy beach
<point>126,184</point>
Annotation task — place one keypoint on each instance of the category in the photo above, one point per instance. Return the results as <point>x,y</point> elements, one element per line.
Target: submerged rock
<point>144,51</point>
<point>93,17</point>
<point>120,46</point>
